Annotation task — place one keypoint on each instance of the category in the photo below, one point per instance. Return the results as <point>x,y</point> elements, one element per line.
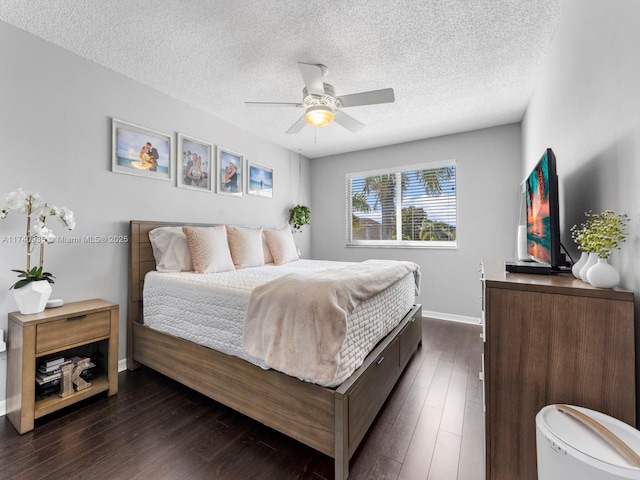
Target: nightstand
<point>88,328</point>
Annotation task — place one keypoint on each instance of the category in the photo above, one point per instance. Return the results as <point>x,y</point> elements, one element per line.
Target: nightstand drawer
<point>72,331</point>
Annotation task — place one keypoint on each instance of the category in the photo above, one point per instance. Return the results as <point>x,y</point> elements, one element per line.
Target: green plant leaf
<point>21,283</point>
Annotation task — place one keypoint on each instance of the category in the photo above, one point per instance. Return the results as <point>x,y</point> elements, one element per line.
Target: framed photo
<point>139,151</point>
<point>259,180</point>
<point>229,173</point>
<point>194,164</point>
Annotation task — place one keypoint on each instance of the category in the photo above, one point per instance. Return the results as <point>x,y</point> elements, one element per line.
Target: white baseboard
<point>3,407</point>
<point>122,365</point>
<point>451,317</point>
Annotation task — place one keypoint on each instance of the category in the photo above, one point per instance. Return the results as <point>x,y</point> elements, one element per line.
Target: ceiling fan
<point>321,104</point>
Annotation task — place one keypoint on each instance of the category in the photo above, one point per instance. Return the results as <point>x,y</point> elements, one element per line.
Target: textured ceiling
<point>455,65</point>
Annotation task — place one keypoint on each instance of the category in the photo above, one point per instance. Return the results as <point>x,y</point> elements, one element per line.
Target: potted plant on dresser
<point>600,235</point>
<point>31,292</point>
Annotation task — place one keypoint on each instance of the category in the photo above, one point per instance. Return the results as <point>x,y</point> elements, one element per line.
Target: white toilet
<point>568,449</point>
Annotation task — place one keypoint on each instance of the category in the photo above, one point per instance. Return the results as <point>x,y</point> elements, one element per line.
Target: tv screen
<point>543,229</point>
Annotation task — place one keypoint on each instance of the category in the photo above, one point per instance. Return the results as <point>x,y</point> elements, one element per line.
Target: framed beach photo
<point>259,180</point>
<point>193,164</point>
<point>230,173</point>
<point>139,151</point>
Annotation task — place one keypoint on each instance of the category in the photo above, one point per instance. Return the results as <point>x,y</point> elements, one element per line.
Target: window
<point>411,206</point>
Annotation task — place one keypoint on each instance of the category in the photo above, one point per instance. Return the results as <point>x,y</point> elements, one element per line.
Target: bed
<point>332,420</point>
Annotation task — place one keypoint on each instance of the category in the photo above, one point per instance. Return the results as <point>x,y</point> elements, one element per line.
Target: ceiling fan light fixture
<point>319,115</point>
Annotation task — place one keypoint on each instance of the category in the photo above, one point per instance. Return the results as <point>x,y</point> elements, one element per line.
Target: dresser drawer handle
<point>79,317</point>
<point>380,360</point>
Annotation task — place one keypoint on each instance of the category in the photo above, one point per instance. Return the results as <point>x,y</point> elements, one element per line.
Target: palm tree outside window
<point>411,206</point>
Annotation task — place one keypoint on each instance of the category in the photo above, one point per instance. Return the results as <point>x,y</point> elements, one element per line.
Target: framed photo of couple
<point>230,173</point>
<point>194,164</point>
<point>139,151</point>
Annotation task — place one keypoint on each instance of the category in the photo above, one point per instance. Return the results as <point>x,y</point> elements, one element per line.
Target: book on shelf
<point>47,384</point>
<point>50,371</point>
<point>52,365</point>
<point>55,368</point>
<point>54,362</point>
<point>48,388</point>
<point>41,379</point>
<point>44,375</point>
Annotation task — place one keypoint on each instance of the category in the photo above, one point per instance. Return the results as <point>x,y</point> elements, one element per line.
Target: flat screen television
<point>543,213</point>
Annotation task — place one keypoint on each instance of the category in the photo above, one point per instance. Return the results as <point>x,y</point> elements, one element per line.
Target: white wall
<point>55,138</point>
<point>586,106</point>
<point>488,176</point>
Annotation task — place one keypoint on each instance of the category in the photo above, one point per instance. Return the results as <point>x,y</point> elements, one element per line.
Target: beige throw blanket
<point>297,323</point>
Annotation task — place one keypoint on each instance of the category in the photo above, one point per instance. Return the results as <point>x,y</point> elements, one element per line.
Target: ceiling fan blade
<point>313,79</point>
<point>274,104</point>
<point>368,98</point>
<point>299,125</point>
<point>348,122</point>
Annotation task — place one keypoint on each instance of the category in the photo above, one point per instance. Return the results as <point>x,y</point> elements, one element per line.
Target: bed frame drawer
<point>68,332</point>
<point>371,391</point>
<point>410,338</point>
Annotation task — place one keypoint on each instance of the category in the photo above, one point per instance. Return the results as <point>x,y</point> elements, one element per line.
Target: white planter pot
<point>579,264</point>
<point>603,274</point>
<point>33,297</point>
<point>591,261</point>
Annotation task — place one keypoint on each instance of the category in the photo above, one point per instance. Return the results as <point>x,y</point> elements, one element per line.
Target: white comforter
<point>209,309</point>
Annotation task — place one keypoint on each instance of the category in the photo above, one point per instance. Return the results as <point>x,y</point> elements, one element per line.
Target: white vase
<point>579,264</point>
<point>521,246</point>
<point>33,297</point>
<point>603,274</point>
<point>591,261</point>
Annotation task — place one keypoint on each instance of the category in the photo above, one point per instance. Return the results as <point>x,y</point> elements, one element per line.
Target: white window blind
<point>410,206</point>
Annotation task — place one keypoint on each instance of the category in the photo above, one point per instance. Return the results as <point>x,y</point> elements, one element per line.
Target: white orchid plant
<point>37,211</point>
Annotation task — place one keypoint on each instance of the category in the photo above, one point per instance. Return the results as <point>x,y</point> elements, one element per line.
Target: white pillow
<point>268,258</point>
<point>282,246</point>
<point>170,249</point>
<point>246,246</point>
<point>209,249</point>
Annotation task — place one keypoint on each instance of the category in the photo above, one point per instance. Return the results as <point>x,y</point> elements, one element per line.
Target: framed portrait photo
<point>259,180</point>
<point>139,151</point>
<point>230,171</point>
<point>193,164</point>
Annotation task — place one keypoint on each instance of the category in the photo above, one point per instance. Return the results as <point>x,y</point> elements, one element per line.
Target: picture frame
<point>140,151</point>
<point>259,180</point>
<point>230,171</point>
<point>193,164</point>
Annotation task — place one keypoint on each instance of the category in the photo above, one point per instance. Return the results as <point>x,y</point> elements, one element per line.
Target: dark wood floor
<point>430,428</point>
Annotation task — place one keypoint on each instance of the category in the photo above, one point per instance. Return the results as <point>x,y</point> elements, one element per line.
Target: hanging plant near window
<point>299,216</point>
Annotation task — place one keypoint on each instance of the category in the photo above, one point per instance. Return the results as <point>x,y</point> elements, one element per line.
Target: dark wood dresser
<point>550,339</point>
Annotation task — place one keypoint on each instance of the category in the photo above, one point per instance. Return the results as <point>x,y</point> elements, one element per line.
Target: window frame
<point>398,170</point>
